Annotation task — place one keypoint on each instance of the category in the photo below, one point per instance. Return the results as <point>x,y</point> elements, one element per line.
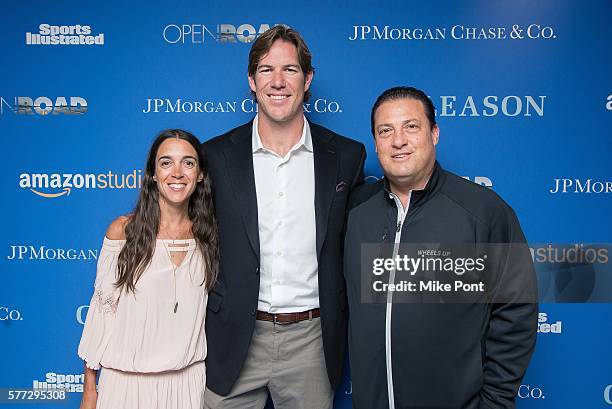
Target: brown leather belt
<point>288,318</point>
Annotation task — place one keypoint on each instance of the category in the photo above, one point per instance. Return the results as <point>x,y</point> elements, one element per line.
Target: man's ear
<point>435,134</point>
<point>252,83</point>
<point>308,80</point>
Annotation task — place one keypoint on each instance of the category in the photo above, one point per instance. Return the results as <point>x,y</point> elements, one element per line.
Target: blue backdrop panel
<point>522,91</point>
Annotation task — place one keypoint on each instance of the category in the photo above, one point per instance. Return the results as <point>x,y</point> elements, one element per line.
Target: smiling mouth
<point>278,97</point>
<point>401,155</point>
<point>177,186</point>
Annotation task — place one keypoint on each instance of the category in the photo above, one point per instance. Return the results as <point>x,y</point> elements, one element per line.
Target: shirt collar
<point>305,140</point>
<point>417,196</point>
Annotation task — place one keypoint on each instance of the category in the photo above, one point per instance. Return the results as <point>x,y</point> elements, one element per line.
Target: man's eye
<point>291,70</point>
<point>190,163</point>
<point>264,70</point>
<point>384,131</point>
<point>165,163</point>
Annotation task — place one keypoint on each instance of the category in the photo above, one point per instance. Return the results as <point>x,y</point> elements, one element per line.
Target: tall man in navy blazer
<point>277,319</point>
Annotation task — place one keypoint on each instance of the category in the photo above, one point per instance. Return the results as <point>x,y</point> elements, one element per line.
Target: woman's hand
<point>90,397</point>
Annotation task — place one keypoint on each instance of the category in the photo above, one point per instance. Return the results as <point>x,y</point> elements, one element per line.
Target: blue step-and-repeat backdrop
<point>523,97</point>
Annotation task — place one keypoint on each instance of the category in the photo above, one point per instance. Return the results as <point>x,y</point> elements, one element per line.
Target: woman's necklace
<point>178,233</point>
<point>174,267</point>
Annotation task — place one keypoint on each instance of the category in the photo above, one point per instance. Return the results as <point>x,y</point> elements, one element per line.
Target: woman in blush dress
<point>145,325</point>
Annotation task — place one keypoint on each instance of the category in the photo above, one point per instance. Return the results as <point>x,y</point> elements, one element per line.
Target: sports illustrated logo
<point>480,180</point>
<point>609,103</point>
<point>221,33</point>
<point>530,392</point>
<point>608,395</point>
<point>81,314</point>
<point>248,105</point>
<point>491,106</point>
<point>68,382</point>
<point>27,252</point>
<point>10,314</point>
<point>581,186</point>
<point>53,185</point>
<point>456,32</point>
<point>545,327</point>
<point>64,35</point>
<point>44,106</point>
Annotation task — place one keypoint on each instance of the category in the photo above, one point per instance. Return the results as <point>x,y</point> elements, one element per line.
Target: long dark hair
<point>143,226</point>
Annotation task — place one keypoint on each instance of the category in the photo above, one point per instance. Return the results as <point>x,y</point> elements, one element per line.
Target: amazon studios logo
<point>221,33</point>
<point>54,185</point>
<point>45,105</point>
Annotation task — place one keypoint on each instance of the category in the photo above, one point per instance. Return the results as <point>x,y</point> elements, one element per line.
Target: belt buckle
<point>281,323</point>
<point>277,322</point>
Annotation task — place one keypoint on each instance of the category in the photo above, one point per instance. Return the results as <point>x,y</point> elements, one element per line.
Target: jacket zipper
<point>401,215</point>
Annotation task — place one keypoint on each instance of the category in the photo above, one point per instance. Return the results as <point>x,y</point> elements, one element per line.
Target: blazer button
<point>257,270</point>
<point>253,313</point>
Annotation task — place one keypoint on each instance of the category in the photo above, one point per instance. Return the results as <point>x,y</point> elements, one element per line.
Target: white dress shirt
<point>285,189</point>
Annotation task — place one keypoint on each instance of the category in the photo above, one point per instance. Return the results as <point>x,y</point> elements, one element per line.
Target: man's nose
<point>400,139</point>
<point>278,80</point>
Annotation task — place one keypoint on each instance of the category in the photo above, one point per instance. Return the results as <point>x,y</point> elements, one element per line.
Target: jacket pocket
<point>214,301</point>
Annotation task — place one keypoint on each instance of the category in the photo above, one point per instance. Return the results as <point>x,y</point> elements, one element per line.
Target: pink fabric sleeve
<point>103,306</point>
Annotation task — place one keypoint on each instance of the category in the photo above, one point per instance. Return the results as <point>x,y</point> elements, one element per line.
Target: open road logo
<point>44,106</point>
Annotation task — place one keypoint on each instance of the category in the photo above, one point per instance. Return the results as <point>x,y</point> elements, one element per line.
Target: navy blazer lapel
<point>325,170</point>
<point>239,158</point>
